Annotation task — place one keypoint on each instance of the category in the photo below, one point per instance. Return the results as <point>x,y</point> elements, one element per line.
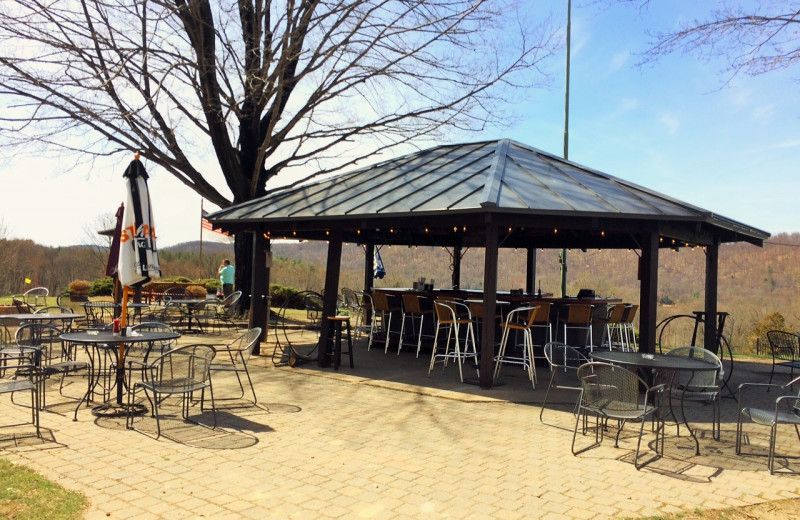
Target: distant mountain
<point>208,247</point>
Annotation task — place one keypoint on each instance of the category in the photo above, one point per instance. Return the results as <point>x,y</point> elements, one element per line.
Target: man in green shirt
<point>226,273</point>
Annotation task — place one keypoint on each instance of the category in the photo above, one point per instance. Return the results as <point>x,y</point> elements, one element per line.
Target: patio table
<point>659,363</point>
<point>99,345</point>
<point>190,305</point>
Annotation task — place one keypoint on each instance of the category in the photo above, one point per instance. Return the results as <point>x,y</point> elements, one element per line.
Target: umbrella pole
<point>121,355</point>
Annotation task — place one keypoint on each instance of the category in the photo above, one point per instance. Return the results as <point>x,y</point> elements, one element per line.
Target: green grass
<point>26,495</point>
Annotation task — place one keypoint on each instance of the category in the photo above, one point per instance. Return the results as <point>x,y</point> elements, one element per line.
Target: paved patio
<point>385,441</point>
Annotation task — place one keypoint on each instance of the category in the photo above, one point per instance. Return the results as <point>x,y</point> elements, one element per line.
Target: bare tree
<point>266,87</point>
<point>756,41</point>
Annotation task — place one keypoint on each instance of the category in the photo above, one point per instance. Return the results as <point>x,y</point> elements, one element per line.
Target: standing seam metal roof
<point>503,175</point>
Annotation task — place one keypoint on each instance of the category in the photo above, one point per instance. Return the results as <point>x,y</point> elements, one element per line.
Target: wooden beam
<point>332,269</point>
<point>369,276</point>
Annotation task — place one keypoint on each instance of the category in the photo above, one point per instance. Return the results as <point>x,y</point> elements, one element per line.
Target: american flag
<point>209,234</point>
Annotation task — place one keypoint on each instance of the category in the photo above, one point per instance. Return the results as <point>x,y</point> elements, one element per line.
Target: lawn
<point>25,495</point>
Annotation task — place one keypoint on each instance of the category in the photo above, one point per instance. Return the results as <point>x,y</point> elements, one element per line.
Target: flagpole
<point>201,232</point>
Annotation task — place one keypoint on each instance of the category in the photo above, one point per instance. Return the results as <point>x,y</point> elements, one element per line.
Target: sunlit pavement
<point>384,440</point>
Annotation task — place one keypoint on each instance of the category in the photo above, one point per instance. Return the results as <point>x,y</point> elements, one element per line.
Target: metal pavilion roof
<point>461,183</point>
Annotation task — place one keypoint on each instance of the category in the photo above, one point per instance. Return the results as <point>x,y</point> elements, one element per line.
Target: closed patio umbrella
<point>138,255</point>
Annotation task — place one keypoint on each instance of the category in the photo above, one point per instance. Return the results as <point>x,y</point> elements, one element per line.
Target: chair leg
<point>402,334</point>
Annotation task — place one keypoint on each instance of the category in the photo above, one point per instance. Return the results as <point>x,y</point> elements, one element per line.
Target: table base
<point>119,410</point>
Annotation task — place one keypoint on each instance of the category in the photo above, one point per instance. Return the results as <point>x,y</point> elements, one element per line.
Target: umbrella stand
<point>118,408</point>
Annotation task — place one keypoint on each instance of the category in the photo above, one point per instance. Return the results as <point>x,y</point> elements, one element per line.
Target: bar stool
<point>579,317</point>
<point>541,320</point>
<point>476,310</point>
<point>520,319</point>
<point>382,305</point>
<point>447,317</point>
<point>412,309</point>
<point>335,346</point>
<point>627,325</point>
<point>613,330</point>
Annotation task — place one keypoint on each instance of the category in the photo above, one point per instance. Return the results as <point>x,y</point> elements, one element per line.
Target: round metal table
<point>106,342</point>
<point>659,363</point>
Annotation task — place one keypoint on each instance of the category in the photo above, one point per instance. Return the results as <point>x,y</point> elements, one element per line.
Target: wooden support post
<point>259,299</point>
<point>648,293</point>
<point>331,294</point>
<point>456,278</point>
<point>489,305</point>
<point>712,274</point>
<point>530,270</point>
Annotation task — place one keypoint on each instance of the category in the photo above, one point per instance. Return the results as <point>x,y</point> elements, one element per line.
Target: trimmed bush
<point>102,287</point>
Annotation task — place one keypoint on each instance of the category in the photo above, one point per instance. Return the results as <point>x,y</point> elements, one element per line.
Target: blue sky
<point>676,126</point>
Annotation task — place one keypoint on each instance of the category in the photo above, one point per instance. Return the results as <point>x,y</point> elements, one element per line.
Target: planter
<point>78,297</point>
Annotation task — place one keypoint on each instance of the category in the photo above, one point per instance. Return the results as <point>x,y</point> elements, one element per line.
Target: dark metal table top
<point>108,338</point>
<point>44,316</point>
<point>652,361</point>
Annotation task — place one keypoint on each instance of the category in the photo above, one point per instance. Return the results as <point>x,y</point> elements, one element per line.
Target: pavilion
<point>488,194</point>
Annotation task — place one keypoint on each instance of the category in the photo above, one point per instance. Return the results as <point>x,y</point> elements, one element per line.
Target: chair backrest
<point>700,378</point>
<point>616,313</point>
<point>521,316</point>
<point>445,311</point>
<point>244,344</point>
<point>43,336</point>
<point>542,315</point>
<point>784,345</point>
<point>561,355</point>
<point>630,312</point>
<point>380,301</point>
<point>183,368</point>
<point>350,298</point>
<point>609,387</point>
<point>228,305</point>
<point>36,297</point>
<point>579,313</point>
<point>156,326</point>
<point>411,304</point>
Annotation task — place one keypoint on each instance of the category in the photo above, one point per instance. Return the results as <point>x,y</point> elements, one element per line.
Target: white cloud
<point>618,61</point>
<point>671,121</point>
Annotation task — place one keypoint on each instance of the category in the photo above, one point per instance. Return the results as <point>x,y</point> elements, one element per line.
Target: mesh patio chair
<point>564,363</point>
<point>785,348</point>
<point>36,297</point>
<point>66,325</point>
<point>225,311</point>
<point>700,386</point>
<point>181,372</point>
<point>786,410</point>
<point>233,358</point>
<point>143,352</point>
<point>54,357</point>
<point>612,392</point>
<point>18,373</point>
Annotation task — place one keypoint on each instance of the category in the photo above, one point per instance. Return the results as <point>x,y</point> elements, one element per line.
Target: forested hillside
<point>754,282</point>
